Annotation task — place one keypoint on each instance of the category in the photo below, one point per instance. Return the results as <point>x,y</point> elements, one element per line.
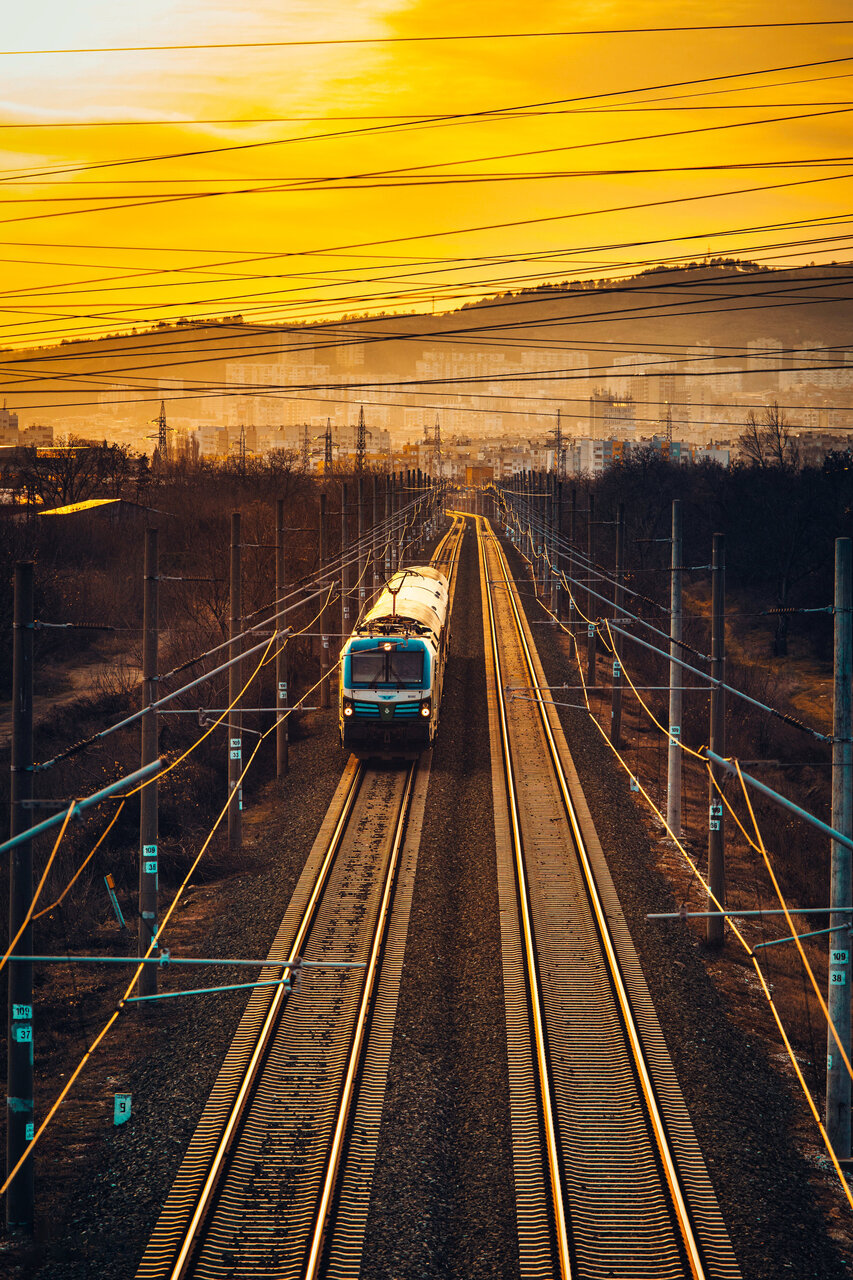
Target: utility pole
<point>325,701</point>
<point>20,1118</point>
<point>673,786</point>
<point>281,675</point>
<point>573,524</point>
<point>346,621</point>
<point>542,511</point>
<point>618,598</point>
<point>590,598</point>
<point>235,684</point>
<point>717,741</point>
<point>389,482</point>
<point>841,879</point>
<point>377,545</point>
<point>556,581</point>
<point>362,549</point>
<point>148,818</point>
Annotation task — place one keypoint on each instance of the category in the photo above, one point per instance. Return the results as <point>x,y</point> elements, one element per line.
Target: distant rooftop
<point>74,507</point>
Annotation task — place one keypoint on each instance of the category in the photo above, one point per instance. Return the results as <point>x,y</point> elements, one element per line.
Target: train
<point>392,667</point>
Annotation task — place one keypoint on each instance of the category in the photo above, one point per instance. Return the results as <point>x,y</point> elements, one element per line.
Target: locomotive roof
<point>418,596</point>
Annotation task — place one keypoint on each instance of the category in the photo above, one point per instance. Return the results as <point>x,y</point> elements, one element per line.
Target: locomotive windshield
<point>391,666</point>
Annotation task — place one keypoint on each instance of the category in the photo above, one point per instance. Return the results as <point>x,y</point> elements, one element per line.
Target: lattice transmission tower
<point>162,432</point>
<point>360,441</point>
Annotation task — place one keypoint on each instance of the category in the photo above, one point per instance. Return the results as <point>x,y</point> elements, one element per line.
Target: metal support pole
<point>20,1119</point>
<point>590,598</point>
<point>401,496</point>
<point>377,546</point>
<point>325,700</point>
<point>346,609</point>
<point>235,684</point>
<point>389,531</point>
<point>717,740</point>
<point>557,586</point>
<point>362,549</point>
<point>148,817</point>
<point>673,786</point>
<point>841,879</point>
<point>281,673</point>
<point>542,517</point>
<point>618,597</point>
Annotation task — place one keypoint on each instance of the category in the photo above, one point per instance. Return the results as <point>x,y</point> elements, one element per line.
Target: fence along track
<point>636,1192</point>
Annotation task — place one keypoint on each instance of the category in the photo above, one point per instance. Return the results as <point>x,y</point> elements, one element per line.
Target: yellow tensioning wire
<point>46,910</point>
<point>730,923</point>
<point>758,845</point>
<point>265,658</point>
<point>63,1094</point>
<point>28,917</point>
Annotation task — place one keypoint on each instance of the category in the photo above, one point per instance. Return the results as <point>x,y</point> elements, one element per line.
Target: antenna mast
<point>306,448</point>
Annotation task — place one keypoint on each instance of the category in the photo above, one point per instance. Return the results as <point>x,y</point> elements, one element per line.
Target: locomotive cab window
<point>406,666</point>
<point>382,667</point>
<point>368,666</point>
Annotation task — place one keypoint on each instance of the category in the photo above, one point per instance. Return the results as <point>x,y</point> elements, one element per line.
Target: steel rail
<point>545,1085</point>
<point>178,1270</point>
<point>315,1252</point>
<point>643,1072</point>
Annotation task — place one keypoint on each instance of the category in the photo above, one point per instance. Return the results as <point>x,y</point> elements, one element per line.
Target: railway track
<point>276,1180</point>
<point>609,1177</point>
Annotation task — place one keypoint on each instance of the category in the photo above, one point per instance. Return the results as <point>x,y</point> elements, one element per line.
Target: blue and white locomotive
<point>392,667</point>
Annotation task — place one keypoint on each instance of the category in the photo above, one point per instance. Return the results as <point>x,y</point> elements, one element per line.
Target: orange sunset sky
<point>366,202</point>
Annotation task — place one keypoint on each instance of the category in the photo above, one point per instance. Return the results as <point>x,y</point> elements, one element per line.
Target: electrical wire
<point>697,875</point>
<point>443,38</point>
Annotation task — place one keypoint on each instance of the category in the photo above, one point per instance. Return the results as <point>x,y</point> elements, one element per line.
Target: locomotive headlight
<point>348,707</point>
<point>426,708</point>
<point>387,647</point>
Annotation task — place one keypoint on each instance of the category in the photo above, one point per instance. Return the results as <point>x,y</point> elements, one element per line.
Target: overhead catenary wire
<point>153,945</point>
<point>325,573</point>
<point>704,676</point>
<point>697,875</point>
<point>342,325</point>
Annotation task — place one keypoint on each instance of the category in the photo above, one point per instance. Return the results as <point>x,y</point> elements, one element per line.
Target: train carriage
<point>392,667</point>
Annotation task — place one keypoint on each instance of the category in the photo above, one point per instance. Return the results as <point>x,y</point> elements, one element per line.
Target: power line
<point>491,113</point>
<point>433,39</point>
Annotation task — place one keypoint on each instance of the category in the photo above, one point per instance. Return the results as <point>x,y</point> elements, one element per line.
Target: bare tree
<point>768,443</point>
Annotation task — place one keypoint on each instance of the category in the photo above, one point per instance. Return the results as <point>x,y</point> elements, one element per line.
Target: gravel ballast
<point>443,1193</point>
<point>743,1111</point>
